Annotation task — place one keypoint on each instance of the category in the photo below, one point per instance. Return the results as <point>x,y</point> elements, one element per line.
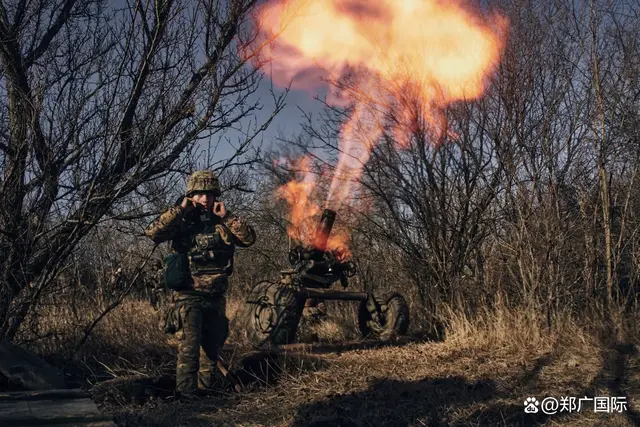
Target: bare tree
<point>98,101</point>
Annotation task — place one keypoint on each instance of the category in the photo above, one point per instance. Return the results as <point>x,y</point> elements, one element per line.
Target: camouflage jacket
<point>187,230</point>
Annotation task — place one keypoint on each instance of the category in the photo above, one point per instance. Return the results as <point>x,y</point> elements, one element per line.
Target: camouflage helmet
<point>204,181</point>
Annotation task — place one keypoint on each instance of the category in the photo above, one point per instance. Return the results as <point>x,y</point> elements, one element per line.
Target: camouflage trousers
<point>204,330</point>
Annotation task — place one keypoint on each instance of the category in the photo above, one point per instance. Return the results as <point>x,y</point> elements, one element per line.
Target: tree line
<point>533,203</point>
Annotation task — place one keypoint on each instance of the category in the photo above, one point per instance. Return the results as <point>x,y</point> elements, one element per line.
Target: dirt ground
<point>409,384</point>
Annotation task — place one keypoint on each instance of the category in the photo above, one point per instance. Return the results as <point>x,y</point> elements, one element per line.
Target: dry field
<point>479,374</point>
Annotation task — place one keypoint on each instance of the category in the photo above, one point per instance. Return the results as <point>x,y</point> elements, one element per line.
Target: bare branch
<point>51,33</point>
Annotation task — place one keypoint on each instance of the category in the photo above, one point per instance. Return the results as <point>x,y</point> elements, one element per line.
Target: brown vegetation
<point>516,244</point>
<point>479,375</point>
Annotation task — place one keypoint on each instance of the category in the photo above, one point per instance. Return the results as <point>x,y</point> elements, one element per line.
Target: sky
<point>287,123</point>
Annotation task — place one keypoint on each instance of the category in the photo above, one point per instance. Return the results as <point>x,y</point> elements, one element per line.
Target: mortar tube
<point>324,229</point>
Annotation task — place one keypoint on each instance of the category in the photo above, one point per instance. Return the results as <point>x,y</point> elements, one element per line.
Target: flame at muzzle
<point>394,65</point>
<point>324,229</point>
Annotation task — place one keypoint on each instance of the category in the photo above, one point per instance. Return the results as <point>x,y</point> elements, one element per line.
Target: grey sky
<point>287,123</point>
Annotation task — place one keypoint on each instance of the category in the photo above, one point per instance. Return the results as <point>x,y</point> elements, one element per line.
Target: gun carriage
<point>273,309</point>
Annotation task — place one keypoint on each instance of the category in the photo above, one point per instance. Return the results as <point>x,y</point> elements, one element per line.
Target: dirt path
<point>415,384</point>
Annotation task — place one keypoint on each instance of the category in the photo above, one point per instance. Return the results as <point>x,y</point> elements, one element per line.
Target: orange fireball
<point>403,61</point>
<point>421,41</point>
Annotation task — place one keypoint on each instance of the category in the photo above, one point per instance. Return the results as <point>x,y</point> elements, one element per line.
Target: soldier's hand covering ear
<point>219,209</point>
<point>188,204</point>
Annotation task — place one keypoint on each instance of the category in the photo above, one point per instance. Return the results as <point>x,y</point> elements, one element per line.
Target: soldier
<point>201,228</point>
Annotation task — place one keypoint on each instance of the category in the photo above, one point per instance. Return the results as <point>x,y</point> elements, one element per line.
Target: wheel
<point>383,317</point>
<point>271,314</point>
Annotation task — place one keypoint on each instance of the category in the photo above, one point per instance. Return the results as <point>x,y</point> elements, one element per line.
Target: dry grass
<point>330,329</point>
<point>480,374</point>
<point>127,341</point>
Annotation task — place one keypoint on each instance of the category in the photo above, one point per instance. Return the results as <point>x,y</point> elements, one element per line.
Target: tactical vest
<point>208,245</point>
